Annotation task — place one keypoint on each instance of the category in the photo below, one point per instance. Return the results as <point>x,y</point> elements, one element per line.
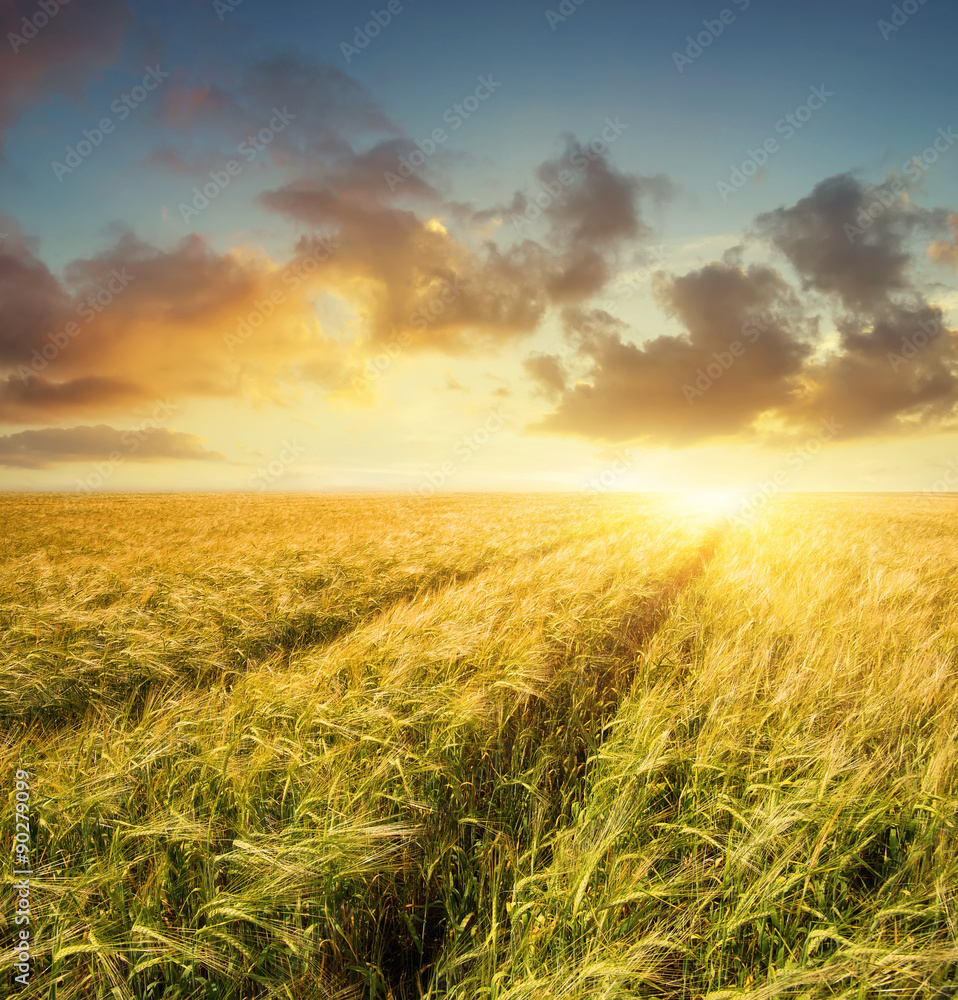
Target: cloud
<point>894,374</point>
<point>415,279</point>
<point>332,104</point>
<point>943,252</point>
<point>862,272</point>
<point>596,215</point>
<point>882,311</point>
<point>894,368</point>
<point>26,400</point>
<point>411,280</point>
<point>174,161</point>
<point>546,371</point>
<point>59,57</point>
<point>591,217</point>
<point>628,391</point>
<point>185,108</point>
<point>213,111</point>
<point>31,298</point>
<point>136,323</point>
<point>41,449</point>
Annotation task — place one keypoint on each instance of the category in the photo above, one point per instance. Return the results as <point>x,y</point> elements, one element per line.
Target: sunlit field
<point>483,746</point>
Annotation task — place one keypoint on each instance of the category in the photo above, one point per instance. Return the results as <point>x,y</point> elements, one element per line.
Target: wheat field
<point>502,747</point>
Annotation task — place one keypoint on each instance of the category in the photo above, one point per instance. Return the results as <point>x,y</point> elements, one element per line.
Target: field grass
<point>483,747</point>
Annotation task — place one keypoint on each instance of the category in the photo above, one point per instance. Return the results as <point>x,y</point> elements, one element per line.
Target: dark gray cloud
<point>40,449</point>
<point>591,217</point>
<point>36,399</point>
<point>32,300</point>
<point>436,288</point>
<point>893,370</point>
<point>862,271</point>
<point>661,390</point>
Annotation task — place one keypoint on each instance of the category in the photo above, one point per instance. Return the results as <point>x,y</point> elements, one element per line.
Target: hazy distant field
<point>483,747</point>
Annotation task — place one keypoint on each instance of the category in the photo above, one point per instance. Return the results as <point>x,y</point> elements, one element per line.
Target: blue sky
<point>891,95</point>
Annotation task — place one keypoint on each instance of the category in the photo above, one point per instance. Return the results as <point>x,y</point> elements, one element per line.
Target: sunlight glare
<point>717,502</point>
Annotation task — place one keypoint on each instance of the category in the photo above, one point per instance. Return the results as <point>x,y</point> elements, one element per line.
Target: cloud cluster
<point>398,259</point>
<point>878,306</point>
<point>753,345</point>
<point>119,329</point>
<point>626,391</point>
<point>136,323</point>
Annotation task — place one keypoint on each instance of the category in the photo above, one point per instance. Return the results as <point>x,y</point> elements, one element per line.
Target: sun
<point>713,501</point>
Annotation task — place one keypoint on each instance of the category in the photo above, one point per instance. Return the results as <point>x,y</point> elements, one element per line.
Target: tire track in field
<point>60,702</point>
<point>313,629</point>
<point>640,623</point>
<point>305,630</point>
<point>638,626</point>
<point>616,663</point>
<point>338,626</point>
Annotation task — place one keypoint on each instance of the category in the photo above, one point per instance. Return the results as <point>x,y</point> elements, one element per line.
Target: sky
<point>428,247</point>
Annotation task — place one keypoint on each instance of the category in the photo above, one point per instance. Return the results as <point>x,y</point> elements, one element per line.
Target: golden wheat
<point>483,746</point>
